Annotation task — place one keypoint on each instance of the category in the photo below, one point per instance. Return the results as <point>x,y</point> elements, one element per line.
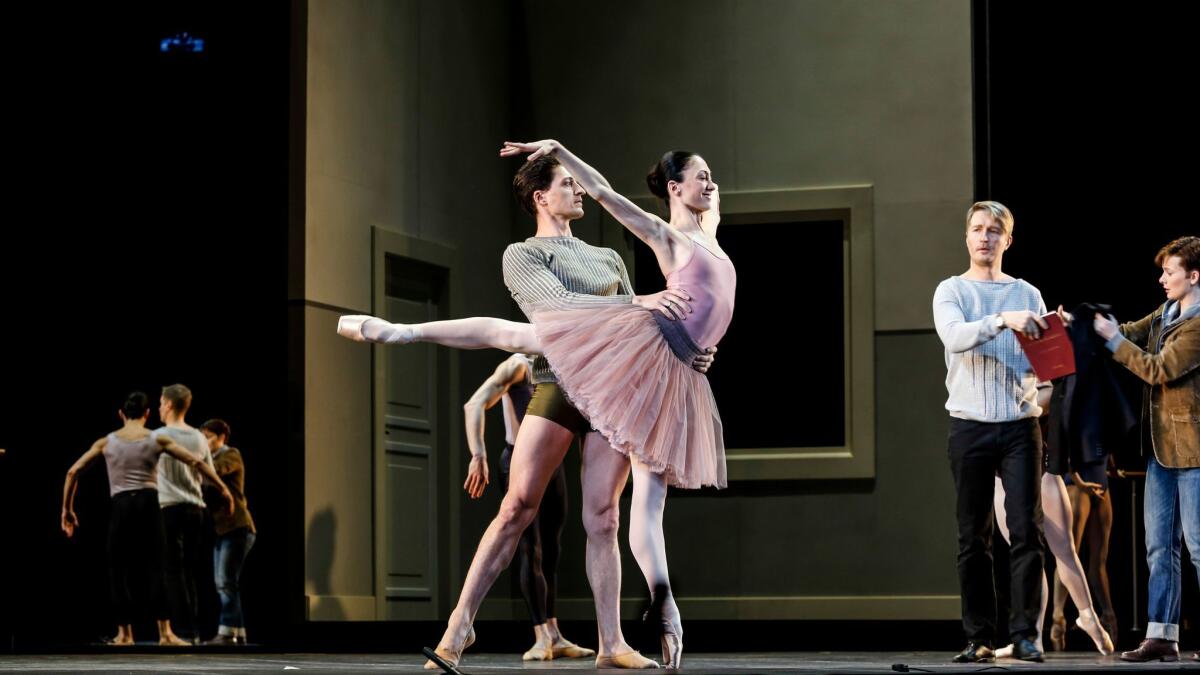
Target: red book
<point>1051,355</point>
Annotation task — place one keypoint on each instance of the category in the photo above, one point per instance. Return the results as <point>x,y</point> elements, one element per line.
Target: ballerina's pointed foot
<point>350,326</point>
<point>1099,636</point>
<point>672,645</point>
<point>366,328</point>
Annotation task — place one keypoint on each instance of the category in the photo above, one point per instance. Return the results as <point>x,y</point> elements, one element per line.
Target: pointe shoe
<point>451,657</point>
<point>1095,631</point>
<point>629,660</point>
<point>1058,635</point>
<point>669,631</point>
<point>672,645</point>
<point>537,653</point>
<point>565,649</point>
<point>350,326</point>
<point>1109,621</point>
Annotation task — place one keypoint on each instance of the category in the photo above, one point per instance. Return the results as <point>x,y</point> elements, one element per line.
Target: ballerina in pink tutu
<point>626,368</point>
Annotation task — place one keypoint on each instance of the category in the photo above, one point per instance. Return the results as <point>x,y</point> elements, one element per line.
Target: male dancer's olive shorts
<point>550,403</point>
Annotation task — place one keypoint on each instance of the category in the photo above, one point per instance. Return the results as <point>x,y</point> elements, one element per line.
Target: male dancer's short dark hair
<point>532,177</point>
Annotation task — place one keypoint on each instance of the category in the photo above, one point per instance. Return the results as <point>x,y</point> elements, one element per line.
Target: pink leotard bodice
<point>710,279</point>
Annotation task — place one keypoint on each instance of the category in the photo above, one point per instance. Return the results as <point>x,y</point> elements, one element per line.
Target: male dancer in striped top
<point>994,403</point>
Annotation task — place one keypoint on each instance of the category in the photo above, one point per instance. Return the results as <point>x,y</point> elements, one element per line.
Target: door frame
<point>447,458</point>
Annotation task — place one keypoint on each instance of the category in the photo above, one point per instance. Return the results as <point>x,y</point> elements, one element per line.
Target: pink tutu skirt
<point>628,371</point>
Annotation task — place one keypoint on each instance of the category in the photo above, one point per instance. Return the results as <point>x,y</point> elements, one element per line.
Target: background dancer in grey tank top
<point>135,533</point>
<point>181,498</point>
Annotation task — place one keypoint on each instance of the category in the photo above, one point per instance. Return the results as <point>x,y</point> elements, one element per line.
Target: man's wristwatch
<point>999,322</point>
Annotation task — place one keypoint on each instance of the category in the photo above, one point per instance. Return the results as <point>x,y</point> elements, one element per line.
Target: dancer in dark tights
<point>540,544</point>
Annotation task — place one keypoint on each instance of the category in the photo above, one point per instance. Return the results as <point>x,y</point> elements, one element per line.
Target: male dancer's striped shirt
<point>567,269</point>
<point>179,483</point>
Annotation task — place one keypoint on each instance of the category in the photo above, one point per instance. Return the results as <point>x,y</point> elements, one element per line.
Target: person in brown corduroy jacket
<point>1163,349</point>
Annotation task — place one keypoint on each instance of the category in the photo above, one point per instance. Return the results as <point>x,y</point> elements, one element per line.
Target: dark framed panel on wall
<point>795,374</point>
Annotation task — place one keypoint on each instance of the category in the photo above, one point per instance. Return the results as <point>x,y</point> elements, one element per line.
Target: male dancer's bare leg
<point>604,474</point>
<point>540,448</point>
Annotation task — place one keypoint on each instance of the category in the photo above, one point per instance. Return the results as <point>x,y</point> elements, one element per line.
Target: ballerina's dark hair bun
<point>135,405</point>
<point>667,169</point>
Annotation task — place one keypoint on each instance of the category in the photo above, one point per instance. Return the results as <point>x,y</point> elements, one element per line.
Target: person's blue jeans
<point>229,554</point>
<point>1172,514</point>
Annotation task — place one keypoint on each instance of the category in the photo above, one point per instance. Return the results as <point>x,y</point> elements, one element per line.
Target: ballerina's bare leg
<point>1057,524</point>
<point>472,333</point>
<point>649,548</point>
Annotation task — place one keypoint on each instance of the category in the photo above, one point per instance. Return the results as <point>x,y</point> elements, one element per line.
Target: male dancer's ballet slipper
<point>537,653</point>
<point>1097,633</point>
<point>565,649</point>
<point>449,656</point>
<point>629,660</point>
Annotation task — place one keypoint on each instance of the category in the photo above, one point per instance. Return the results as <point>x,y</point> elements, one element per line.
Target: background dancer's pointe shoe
<point>448,656</point>
<point>565,649</point>
<point>628,660</point>
<point>1058,635</point>
<point>1109,621</point>
<point>537,653</point>
<point>1092,627</point>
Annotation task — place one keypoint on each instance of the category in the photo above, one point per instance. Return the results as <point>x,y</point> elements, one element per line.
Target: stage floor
<point>798,662</point>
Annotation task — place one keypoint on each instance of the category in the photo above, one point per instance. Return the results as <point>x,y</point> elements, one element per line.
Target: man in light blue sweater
<point>994,402</point>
